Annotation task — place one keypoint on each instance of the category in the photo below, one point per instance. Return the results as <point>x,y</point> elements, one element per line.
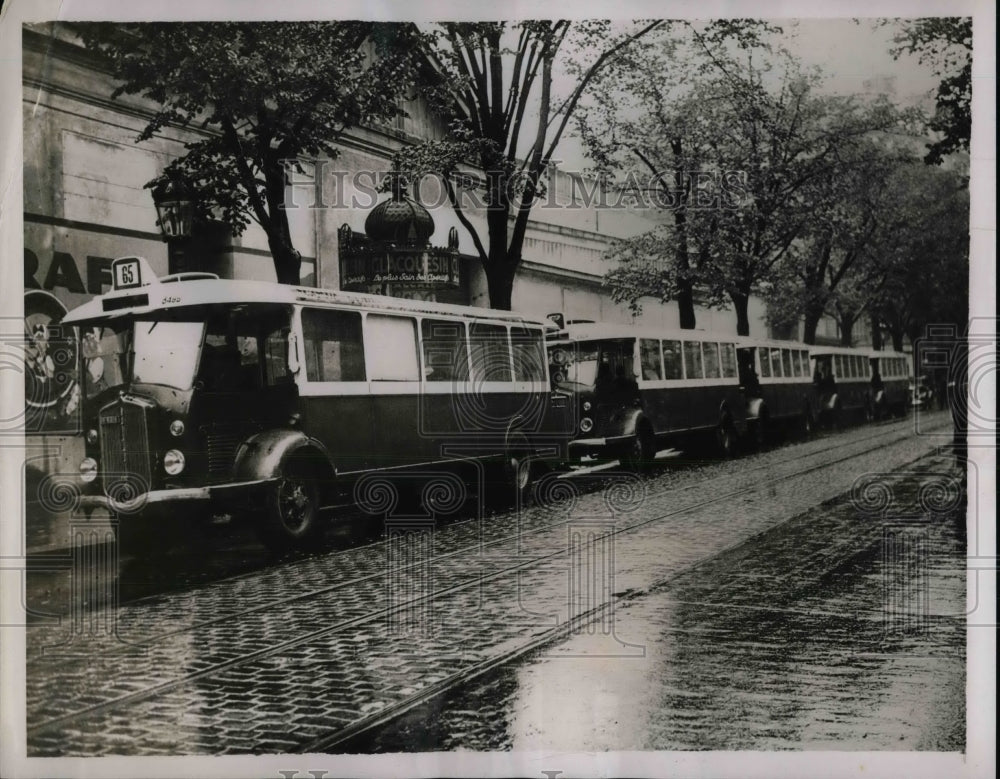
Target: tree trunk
<point>287,261</point>
<point>499,284</point>
<point>685,289</point>
<point>810,324</point>
<point>897,339</point>
<point>742,305</point>
<point>876,333</point>
<point>846,330</point>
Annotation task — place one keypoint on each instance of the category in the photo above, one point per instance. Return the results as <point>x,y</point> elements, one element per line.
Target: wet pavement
<point>837,631</point>
<point>304,654</point>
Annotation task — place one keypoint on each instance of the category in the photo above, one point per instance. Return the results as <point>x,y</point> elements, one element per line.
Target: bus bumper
<point>218,495</point>
<point>582,447</point>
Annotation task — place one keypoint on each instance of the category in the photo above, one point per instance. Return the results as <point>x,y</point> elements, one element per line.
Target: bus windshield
<point>570,366</point>
<point>157,352</point>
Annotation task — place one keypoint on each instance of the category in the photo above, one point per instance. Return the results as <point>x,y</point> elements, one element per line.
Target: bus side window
<point>673,367</point>
<point>392,348</point>
<point>529,354</point>
<point>333,346</point>
<point>276,357</point>
<point>776,362</point>
<point>765,362</point>
<point>728,361</point>
<point>693,367</point>
<point>786,361</point>
<point>711,360</point>
<point>649,355</point>
<point>490,352</point>
<point>446,355</point>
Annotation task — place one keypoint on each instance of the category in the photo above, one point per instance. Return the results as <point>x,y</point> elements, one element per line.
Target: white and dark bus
<point>779,388</point>
<point>842,383</point>
<point>891,381</point>
<point>637,388</point>
<point>270,400</point>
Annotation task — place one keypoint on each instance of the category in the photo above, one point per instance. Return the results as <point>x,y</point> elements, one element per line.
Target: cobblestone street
<point>311,654</point>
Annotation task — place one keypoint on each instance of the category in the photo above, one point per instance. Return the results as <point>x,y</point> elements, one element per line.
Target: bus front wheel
<point>291,517</point>
<point>640,451</point>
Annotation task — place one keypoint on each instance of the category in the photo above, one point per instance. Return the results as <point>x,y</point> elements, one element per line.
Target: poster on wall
<point>51,385</point>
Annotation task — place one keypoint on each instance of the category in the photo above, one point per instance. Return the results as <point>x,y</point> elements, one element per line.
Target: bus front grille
<point>221,443</point>
<point>125,450</point>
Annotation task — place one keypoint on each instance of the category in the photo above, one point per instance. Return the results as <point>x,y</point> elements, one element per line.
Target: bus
<point>272,401</point>
<point>891,382</point>
<point>842,383</point>
<point>635,388</point>
<point>777,378</point>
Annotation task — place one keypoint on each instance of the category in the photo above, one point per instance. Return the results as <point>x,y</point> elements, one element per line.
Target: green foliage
<point>495,91</point>
<point>769,148</point>
<point>259,96</point>
<point>944,43</point>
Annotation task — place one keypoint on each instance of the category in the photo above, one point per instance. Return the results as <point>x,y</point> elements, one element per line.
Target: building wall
<point>85,203</point>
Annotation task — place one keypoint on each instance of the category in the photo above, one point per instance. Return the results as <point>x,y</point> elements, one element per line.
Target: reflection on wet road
<point>839,630</point>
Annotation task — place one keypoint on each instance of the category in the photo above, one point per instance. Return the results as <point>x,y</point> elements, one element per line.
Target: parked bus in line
<point>891,382</point>
<point>635,388</point>
<point>248,397</point>
<point>777,378</point>
<point>842,383</point>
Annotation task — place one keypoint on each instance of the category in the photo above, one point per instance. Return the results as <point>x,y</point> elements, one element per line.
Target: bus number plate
<point>128,274</point>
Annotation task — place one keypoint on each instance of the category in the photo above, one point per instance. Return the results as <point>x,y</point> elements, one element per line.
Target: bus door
<point>243,384</point>
<point>615,386</point>
<point>335,401</point>
<point>747,371</point>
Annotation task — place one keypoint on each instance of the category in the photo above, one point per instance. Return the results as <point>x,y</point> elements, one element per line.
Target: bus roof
<point>886,353</point>
<point>596,331</point>
<point>168,294</point>
<point>820,351</point>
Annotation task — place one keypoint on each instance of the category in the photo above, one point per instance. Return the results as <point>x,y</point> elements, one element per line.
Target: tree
<point>824,272</point>
<point>260,96</point>
<point>766,143</point>
<point>922,253</point>
<point>641,124</point>
<point>495,91</point>
<point>944,43</point>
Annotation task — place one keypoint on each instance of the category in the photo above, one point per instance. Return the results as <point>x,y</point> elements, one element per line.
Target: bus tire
<point>517,472</point>
<point>291,516</point>
<point>808,423</point>
<point>640,452</point>
<point>725,436</point>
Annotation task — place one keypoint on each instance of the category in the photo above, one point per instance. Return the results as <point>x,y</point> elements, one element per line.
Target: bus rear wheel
<point>291,516</point>
<point>808,423</point>
<point>725,436</point>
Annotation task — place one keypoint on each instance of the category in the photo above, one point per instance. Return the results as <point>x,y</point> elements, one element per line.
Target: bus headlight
<point>586,405</point>
<point>88,469</point>
<point>586,424</point>
<point>177,428</point>
<point>91,436</point>
<point>173,462</point>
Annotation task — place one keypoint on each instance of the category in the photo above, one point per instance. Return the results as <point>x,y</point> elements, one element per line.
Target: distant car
<point>921,392</point>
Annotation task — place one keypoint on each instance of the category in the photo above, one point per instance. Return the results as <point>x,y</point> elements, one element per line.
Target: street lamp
<point>174,208</point>
<point>174,203</point>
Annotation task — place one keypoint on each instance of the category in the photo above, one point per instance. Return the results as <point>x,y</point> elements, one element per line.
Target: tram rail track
<point>597,481</point>
<point>464,675</point>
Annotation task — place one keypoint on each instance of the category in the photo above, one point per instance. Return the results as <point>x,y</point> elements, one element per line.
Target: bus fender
<point>630,421</point>
<point>754,408</point>
<point>262,456</point>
